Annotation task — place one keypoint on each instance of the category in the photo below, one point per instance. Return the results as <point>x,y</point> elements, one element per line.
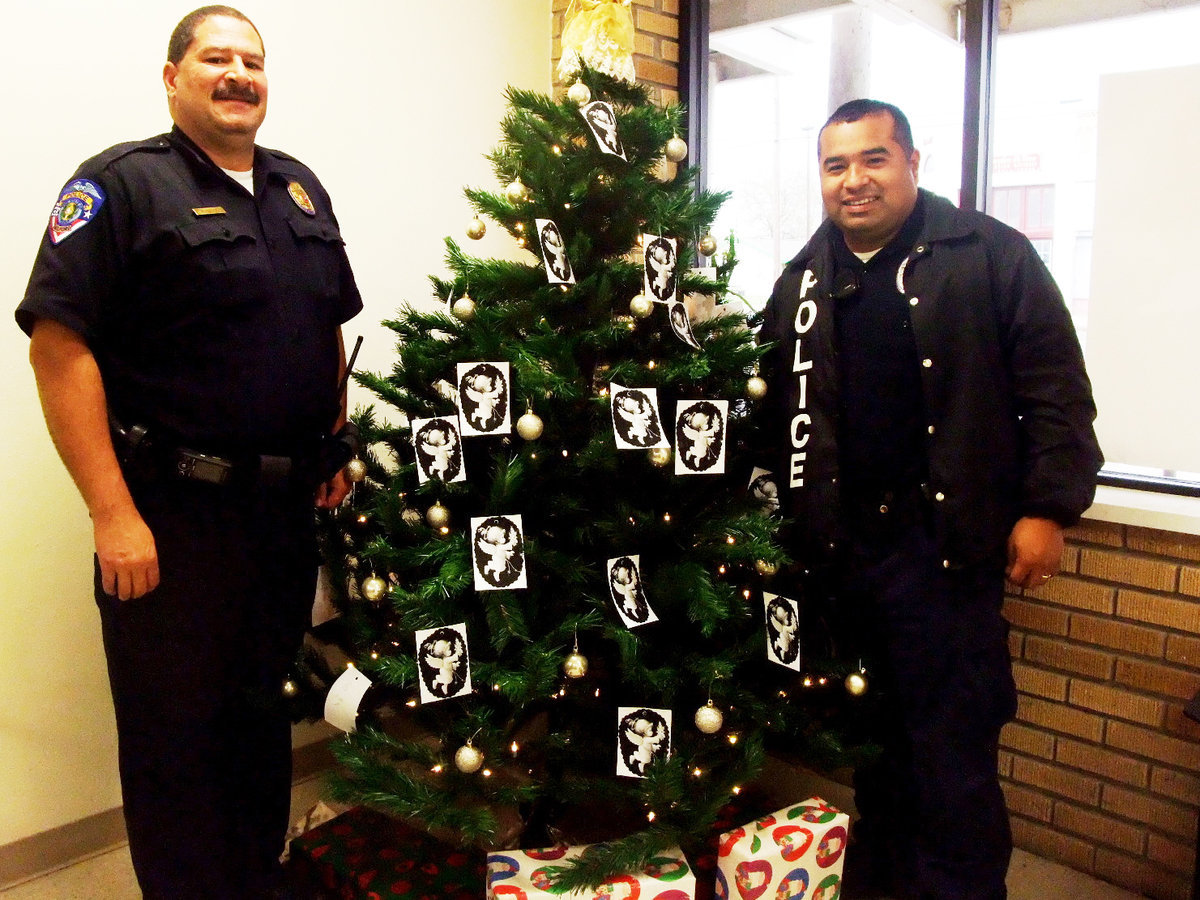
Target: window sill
<point>1146,509</point>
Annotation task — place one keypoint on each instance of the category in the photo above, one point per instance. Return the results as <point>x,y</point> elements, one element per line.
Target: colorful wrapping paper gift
<point>796,853</point>
<point>365,855</point>
<point>525,875</point>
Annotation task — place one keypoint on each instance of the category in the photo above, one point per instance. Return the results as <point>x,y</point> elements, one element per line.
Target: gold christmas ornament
<point>677,149</point>
<point>599,33</point>
<point>468,759</point>
<point>579,93</point>
<point>575,665</point>
<point>476,229</point>
<point>290,688</point>
<point>529,426</point>
<point>856,684</point>
<point>464,308</point>
<point>756,388</point>
<point>641,306</point>
<point>516,192</point>
<point>709,719</point>
<point>373,588</point>
<point>707,245</point>
<point>356,470</point>
<point>660,456</point>
<point>765,567</point>
<point>437,515</point>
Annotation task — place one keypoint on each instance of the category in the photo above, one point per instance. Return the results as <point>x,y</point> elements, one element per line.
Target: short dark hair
<point>185,31</point>
<point>857,109</point>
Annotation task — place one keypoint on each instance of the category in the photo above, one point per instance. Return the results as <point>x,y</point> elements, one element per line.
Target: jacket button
<point>920,248</point>
<point>913,301</point>
<point>939,496</point>
<point>927,363</point>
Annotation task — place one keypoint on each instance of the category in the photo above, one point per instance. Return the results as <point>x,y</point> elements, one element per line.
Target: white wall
<point>392,102</point>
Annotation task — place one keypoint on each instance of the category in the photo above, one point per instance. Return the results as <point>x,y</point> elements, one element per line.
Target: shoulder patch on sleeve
<point>77,205</point>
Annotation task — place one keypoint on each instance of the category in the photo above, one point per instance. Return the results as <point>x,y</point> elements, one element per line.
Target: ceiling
<point>940,15</point>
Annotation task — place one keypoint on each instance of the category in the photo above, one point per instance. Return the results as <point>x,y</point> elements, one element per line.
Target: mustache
<point>246,94</point>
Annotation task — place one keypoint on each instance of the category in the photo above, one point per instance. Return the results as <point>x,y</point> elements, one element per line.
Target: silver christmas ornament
<point>756,387</point>
<point>373,588</point>
<point>529,426</point>
<point>464,308</point>
<point>641,306</point>
<point>709,719</point>
<point>476,229</point>
<point>516,192</point>
<point>356,470</point>
<point>468,759</point>
<point>579,93</point>
<point>575,665</point>
<point>437,515</point>
<point>677,149</point>
<point>856,684</point>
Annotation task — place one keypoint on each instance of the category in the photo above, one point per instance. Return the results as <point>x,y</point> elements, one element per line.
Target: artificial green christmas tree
<point>553,571</point>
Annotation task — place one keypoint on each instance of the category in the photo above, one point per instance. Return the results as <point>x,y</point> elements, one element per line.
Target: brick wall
<point>1101,767</point>
<point>656,45</point>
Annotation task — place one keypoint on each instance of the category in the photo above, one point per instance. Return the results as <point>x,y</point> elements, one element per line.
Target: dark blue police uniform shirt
<point>211,313</point>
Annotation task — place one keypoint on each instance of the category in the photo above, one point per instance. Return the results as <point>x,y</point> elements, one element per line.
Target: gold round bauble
<point>410,516</point>
<point>356,470</point>
<point>677,149</point>
<point>516,192</point>
<point>579,93</point>
<point>476,229</point>
<point>290,688</point>
<point>765,567</point>
<point>529,426</point>
<point>437,515</point>
<point>756,387</point>
<point>709,719</point>
<point>373,588</point>
<point>464,308</point>
<point>856,684</point>
<point>707,245</point>
<point>660,456</point>
<point>641,306</point>
<point>468,759</point>
<point>575,665</point>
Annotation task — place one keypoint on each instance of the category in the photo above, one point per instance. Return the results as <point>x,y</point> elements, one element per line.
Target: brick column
<point>656,46</point>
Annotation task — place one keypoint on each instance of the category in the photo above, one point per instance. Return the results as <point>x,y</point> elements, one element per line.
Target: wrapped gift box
<point>364,854</point>
<point>797,852</point>
<point>526,874</point>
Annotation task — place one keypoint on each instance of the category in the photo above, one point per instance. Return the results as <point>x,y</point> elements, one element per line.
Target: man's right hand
<point>127,554</point>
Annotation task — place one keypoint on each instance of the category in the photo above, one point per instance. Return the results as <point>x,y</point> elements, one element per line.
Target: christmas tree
<point>569,625</point>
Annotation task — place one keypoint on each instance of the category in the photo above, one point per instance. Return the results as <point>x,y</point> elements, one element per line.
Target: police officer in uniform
<point>935,425</point>
<point>185,313</point>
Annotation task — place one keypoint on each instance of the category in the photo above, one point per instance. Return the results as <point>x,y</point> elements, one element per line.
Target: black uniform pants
<point>196,669</point>
<point>933,816</point>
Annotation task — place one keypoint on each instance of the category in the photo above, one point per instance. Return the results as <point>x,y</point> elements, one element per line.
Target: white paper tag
<point>341,704</point>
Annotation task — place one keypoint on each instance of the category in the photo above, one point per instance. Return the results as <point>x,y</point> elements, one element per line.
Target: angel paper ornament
<point>600,34</point>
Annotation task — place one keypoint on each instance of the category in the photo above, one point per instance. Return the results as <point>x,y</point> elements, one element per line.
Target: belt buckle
<point>202,467</point>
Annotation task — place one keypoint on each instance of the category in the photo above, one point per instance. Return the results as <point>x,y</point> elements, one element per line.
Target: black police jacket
<point>1007,401</point>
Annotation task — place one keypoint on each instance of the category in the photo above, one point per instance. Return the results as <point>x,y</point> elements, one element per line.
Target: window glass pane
<point>769,94</point>
<point>1053,132</point>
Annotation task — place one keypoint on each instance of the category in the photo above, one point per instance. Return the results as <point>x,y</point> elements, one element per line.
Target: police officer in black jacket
<point>935,434</point>
<point>185,314</point>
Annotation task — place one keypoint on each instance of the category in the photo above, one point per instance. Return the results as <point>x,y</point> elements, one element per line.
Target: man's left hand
<point>1035,550</point>
<point>331,494</point>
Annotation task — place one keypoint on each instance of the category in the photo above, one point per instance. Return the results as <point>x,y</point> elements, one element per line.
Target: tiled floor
<point>109,876</point>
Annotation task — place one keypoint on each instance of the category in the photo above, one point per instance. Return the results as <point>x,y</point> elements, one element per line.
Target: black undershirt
<point>880,438</point>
